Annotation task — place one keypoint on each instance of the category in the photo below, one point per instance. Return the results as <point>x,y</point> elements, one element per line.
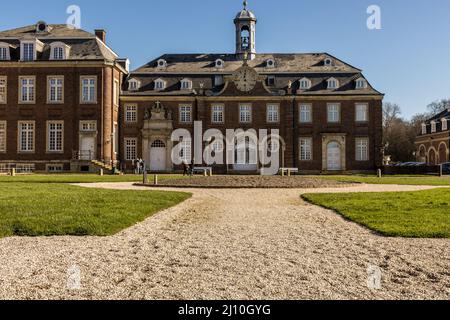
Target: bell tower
<point>245,23</point>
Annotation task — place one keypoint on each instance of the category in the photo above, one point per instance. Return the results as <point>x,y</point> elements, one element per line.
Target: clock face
<point>245,79</point>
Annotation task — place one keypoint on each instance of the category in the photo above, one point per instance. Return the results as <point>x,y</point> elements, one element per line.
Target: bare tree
<point>438,106</point>
<point>391,112</point>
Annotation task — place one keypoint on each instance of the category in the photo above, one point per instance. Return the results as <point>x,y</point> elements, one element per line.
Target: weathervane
<point>245,4</point>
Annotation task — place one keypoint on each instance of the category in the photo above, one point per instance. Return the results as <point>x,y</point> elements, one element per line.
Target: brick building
<point>433,142</point>
<point>328,115</point>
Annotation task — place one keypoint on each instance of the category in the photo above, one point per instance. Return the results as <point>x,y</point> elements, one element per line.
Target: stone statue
<point>147,114</point>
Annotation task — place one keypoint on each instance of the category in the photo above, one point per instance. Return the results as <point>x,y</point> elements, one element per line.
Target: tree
<point>438,106</point>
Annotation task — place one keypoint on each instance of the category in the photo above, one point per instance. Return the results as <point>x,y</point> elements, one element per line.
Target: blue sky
<point>408,60</point>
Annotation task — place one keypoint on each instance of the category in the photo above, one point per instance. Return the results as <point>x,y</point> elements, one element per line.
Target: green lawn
<point>78,178</point>
<point>46,209</point>
<point>422,214</point>
<point>397,179</point>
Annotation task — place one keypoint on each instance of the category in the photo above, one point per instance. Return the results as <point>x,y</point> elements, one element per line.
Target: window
<point>26,136</point>
<point>88,126</point>
<point>305,149</point>
<point>186,84</point>
<point>130,149</point>
<point>55,90</point>
<point>160,84</point>
<point>28,51</point>
<point>2,136</point>
<point>4,52</point>
<point>270,63</point>
<point>116,93</point>
<point>88,89</point>
<point>219,63</point>
<point>162,63</point>
<point>55,168</point>
<point>25,168</point>
<point>305,113</point>
<point>305,84</point>
<point>131,113</point>
<point>55,136</point>
<point>185,151</point>
<point>245,113</point>
<point>134,85</point>
<point>334,113</point>
<point>218,80</point>
<point>185,113</point>
<point>271,80</point>
<point>362,149</point>
<point>332,83</point>
<point>217,114</point>
<point>3,89</point>
<point>328,62</point>
<point>433,127</point>
<point>27,89</point>
<point>58,53</point>
<point>444,124</point>
<point>272,113</point>
<point>361,110</point>
<point>115,137</point>
<point>424,128</point>
<point>361,83</point>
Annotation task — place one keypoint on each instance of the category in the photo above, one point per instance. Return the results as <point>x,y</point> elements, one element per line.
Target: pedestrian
<point>185,169</point>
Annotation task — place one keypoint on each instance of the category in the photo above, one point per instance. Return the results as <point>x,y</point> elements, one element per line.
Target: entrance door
<point>246,155</point>
<point>87,149</point>
<point>158,156</point>
<point>334,157</point>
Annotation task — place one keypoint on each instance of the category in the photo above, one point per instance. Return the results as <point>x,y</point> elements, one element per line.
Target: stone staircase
<point>106,168</point>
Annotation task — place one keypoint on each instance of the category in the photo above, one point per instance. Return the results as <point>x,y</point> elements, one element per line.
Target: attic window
<point>162,63</point>
<point>186,84</point>
<point>41,26</point>
<point>332,83</point>
<point>361,83</point>
<point>4,52</point>
<point>270,63</point>
<point>444,124</point>
<point>28,51</point>
<point>59,51</point>
<point>160,84</point>
<point>433,126</point>
<point>271,80</point>
<point>305,84</point>
<point>328,62</point>
<point>219,63</point>
<point>133,85</point>
<point>424,128</point>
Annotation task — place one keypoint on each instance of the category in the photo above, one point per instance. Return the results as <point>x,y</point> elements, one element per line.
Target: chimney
<point>101,34</point>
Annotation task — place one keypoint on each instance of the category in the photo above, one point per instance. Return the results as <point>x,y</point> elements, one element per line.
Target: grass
<point>421,214</point>
<point>50,209</point>
<point>397,179</point>
<point>78,178</point>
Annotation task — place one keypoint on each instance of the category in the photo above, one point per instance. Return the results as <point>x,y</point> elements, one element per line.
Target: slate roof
<point>438,119</point>
<point>83,45</point>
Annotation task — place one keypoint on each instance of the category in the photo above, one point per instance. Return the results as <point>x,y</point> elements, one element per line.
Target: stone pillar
<point>107,114</point>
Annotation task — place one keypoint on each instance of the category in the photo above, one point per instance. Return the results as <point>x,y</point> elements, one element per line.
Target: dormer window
<point>134,85</point>
<point>444,124</point>
<point>59,51</point>
<point>160,84</point>
<point>424,128</point>
<point>162,63</point>
<point>4,52</point>
<point>28,52</point>
<point>41,26</point>
<point>361,83</point>
<point>433,126</point>
<point>271,80</point>
<point>328,62</point>
<point>219,63</point>
<point>305,84</point>
<point>332,83</point>
<point>186,84</point>
<point>270,63</point>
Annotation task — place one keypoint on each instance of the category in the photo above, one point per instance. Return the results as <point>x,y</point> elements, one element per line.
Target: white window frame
<point>55,136</point>
<point>3,89</point>
<point>433,126</point>
<point>273,113</point>
<point>361,109</point>
<point>26,44</point>
<point>134,85</point>
<point>29,135</point>
<point>55,89</point>
<point>304,84</point>
<point>186,84</point>
<point>306,149</point>
<point>219,64</point>
<point>88,126</point>
<point>5,54</point>
<point>54,168</point>
<point>328,62</point>
<point>185,113</point>
<point>160,84</point>
<point>59,51</point>
<point>332,83</point>
<point>3,136</point>
<point>362,149</point>
<point>245,113</point>
<point>130,148</point>
<point>444,126</point>
<point>162,63</point>
<point>333,109</point>
<point>217,113</point>
<point>131,113</point>
<point>303,107</point>
<point>361,83</point>
<point>424,128</point>
<point>186,150</point>
<point>28,90</point>
<point>91,89</point>
<point>116,92</point>
<point>270,63</point>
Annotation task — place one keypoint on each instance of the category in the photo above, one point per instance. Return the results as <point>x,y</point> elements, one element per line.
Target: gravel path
<point>230,244</point>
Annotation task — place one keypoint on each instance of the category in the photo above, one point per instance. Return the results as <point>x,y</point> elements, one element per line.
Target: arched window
<point>160,84</point>
<point>305,84</point>
<point>59,51</point>
<point>332,83</point>
<point>134,85</point>
<point>361,83</point>
<point>186,84</point>
<point>245,38</point>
